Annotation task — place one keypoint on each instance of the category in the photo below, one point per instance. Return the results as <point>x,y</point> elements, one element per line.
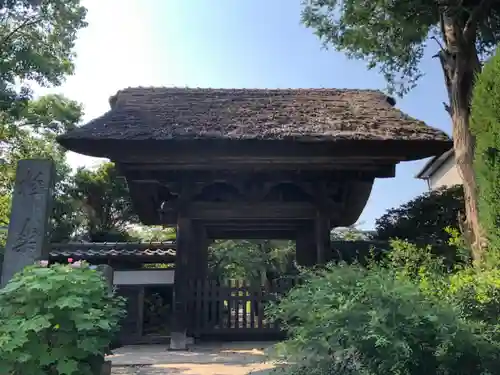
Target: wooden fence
<point>233,308</point>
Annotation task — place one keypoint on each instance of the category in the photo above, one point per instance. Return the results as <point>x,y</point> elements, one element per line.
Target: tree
<point>253,260</point>
<point>392,36</point>
<point>104,199</point>
<point>153,233</point>
<point>36,44</point>
<point>32,135</point>
<point>351,233</point>
<point>485,125</point>
<point>424,219</point>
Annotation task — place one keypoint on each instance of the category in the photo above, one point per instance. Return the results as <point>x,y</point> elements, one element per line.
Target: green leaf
<point>89,344</point>
<point>46,358</point>
<point>70,301</point>
<point>37,323</point>
<point>67,367</point>
<point>23,357</point>
<point>85,325</point>
<point>103,324</point>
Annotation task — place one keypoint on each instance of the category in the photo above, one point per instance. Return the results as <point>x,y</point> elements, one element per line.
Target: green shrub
<point>477,292</point>
<point>420,266</point>
<point>423,219</point>
<point>57,320</point>
<point>353,320</point>
<point>485,125</point>
<point>412,260</point>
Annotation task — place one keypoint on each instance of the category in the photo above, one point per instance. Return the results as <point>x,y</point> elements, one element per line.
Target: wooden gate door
<point>233,310</point>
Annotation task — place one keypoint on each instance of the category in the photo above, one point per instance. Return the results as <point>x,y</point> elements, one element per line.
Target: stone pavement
<point>208,359</point>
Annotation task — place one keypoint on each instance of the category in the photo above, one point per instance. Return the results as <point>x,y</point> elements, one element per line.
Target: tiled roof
<point>85,250</point>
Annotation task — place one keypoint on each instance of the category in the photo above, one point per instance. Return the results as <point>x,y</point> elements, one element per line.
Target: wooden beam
<point>262,234</point>
<point>252,229</point>
<point>377,168</point>
<point>235,211</point>
<point>134,150</point>
<point>153,173</point>
<point>252,224</point>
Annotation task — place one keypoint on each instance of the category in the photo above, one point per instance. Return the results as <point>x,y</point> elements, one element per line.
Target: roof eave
<point>113,149</point>
<point>433,165</point>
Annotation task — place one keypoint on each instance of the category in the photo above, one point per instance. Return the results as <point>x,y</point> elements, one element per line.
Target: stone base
<point>178,341</point>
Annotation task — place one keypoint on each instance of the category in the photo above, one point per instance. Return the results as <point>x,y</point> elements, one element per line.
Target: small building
<point>286,164</point>
<point>441,171</point>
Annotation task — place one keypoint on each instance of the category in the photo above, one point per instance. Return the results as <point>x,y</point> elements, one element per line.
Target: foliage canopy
<point>393,36</point>
<point>36,44</point>
<point>424,219</point>
<point>485,125</point>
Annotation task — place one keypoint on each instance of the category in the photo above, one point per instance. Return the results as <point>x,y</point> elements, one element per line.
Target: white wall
<point>446,175</point>
<point>144,277</point>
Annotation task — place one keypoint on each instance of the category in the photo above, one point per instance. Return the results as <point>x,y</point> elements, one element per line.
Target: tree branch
<point>439,44</point>
<point>447,108</point>
<point>28,22</point>
<point>470,28</point>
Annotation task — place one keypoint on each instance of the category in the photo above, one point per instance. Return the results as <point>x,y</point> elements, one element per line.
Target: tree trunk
<point>463,143</point>
<point>460,65</point>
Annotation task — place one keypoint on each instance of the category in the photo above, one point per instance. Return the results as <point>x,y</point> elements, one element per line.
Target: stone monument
<point>31,206</point>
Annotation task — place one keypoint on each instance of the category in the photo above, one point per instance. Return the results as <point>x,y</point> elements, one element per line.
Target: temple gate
<point>267,164</point>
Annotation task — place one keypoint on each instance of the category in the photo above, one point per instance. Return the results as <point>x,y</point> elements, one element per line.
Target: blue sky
<point>232,44</point>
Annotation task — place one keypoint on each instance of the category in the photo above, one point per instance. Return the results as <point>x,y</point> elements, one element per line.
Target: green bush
<point>354,320</point>
<point>413,261</point>
<point>477,292</point>
<point>57,320</point>
<point>423,219</point>
<point>485,125</point>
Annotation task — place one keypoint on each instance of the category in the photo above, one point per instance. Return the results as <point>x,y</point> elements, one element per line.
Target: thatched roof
<point>304,115</point>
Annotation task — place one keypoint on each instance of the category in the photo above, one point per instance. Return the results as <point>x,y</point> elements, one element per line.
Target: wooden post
<point>31,207</point>
<point>322,238</point>
<point>305,246</point>
<point>200,252</point>
<point>178,337</point>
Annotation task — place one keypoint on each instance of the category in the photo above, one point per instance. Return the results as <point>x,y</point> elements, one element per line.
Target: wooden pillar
<point>322,238</point>
<point>305,246</point>
<point>27,238</point>
<point>200,252</point>
<point>178,338</point>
